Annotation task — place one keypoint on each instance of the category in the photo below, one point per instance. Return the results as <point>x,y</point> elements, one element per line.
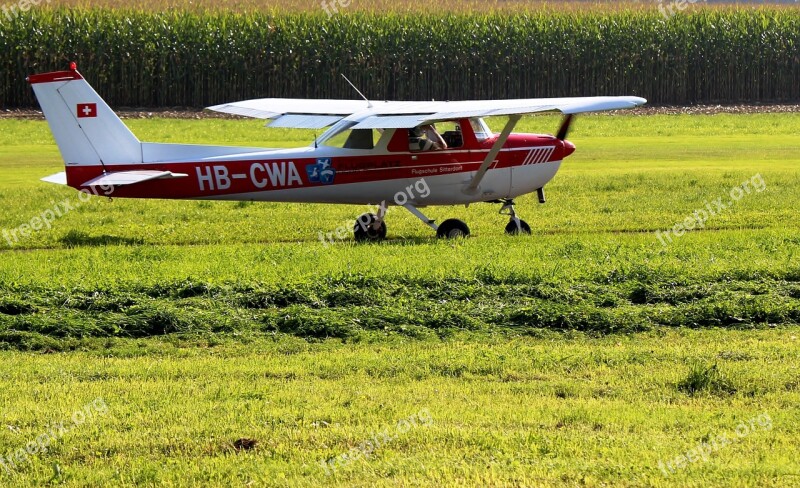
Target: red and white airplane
<point>372,153</point>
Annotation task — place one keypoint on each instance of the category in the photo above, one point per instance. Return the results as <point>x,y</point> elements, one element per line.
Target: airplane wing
<point>317,114</point>
<point>413,114</point>
<point>294,113</point>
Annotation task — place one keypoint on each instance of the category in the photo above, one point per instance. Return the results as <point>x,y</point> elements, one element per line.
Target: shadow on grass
<point>77,238</point>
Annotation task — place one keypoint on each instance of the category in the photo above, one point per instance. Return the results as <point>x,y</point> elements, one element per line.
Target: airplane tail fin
<point>85,128</point>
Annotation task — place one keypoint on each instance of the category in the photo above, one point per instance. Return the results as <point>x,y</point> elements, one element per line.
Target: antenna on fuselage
<point>369,104</point>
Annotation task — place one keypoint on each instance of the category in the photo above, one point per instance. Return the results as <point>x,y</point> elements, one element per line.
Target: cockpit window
<point>354,139</point>
<point>451,133</point>
<point>425,138</point>
<point>480,129</point>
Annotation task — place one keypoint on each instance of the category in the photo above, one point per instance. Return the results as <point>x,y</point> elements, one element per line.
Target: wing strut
<point>498,145</point>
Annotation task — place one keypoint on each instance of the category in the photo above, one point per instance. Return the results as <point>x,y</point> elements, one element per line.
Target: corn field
<point>137,58</point>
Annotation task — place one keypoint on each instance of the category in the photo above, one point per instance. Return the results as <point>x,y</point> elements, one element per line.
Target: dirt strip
<point>189,113</point>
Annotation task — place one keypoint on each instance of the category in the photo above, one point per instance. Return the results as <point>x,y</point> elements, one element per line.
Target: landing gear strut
<point>516,226</point>
<point>449,229</point>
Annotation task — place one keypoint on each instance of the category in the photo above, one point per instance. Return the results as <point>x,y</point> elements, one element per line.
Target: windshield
<point>354,139</point>
<point>480,129</point>
<point>343,136</point>
<point>335,130</point>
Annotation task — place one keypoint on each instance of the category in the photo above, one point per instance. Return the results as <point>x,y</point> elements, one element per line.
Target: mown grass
<point>555,411</point>
<point>581,355</point>
<point>371,6</point>
<point>382,6</point>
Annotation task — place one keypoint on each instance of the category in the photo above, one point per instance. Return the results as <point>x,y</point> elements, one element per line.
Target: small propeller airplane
<point>372,153</point>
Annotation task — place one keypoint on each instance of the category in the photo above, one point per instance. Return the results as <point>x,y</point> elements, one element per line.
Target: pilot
<point>433,135</point>
<point>425,138</point>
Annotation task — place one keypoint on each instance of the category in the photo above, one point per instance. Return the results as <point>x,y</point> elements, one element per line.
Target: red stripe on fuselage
<point>234,177</point>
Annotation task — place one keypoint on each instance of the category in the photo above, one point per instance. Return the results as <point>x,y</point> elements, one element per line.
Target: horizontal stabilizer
<point>58,178</point>
<point>121,178</point>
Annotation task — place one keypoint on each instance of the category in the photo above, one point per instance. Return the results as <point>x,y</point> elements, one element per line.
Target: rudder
<point>85,128</point>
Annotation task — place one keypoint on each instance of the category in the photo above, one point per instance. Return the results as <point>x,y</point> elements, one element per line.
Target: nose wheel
<point>516,226</point>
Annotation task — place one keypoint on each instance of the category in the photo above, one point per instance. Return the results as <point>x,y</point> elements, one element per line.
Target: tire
<point>451,229</point>
<point>513,230</point>
<point>363,231</point>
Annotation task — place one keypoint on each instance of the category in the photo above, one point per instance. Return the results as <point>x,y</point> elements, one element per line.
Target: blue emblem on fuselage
<point>321,172</point>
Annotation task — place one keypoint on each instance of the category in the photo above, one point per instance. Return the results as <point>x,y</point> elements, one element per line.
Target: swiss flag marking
<point>87,110</point>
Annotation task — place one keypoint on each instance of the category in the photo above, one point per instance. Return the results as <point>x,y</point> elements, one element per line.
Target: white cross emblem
<point>87,110</point>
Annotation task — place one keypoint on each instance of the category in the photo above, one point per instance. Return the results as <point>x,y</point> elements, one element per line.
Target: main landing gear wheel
<point>368,228</point>
<point>451,229</point>
<point>517,227</point>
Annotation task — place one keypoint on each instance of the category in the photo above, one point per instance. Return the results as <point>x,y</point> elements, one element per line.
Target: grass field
<point>362,5</point>
<point>586,354</point>
<point>404,5</point>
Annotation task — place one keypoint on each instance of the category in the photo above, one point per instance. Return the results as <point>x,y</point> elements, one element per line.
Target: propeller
<point>564,129</point>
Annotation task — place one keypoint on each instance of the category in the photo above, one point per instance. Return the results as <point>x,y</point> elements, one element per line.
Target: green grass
<point>562,410</point>
<point>581,355</point>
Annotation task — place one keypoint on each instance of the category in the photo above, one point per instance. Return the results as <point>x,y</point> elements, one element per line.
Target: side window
<point>417,141</point>
<point>451,133</point>
<point>482,132</point>
<point>426,138</point>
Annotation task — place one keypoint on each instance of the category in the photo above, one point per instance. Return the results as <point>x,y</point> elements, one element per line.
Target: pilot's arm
<point>435,137</point>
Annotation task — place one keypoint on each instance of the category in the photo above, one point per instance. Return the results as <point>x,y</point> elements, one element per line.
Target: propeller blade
<point>564,129</point>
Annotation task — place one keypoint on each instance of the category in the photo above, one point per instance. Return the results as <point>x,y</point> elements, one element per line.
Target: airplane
<point>371,153</point>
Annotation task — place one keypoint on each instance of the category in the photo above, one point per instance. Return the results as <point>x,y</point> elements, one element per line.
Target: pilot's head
<point>415,132</point>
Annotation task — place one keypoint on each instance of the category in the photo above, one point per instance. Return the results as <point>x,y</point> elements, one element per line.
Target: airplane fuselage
<point>325,174</point>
